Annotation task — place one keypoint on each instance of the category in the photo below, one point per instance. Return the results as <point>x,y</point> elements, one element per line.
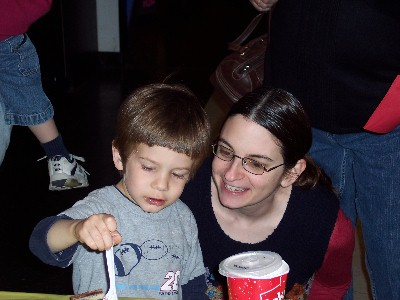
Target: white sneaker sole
<point>64,182</point>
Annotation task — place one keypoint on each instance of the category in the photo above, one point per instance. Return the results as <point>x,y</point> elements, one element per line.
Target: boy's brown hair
<point>166,115</point>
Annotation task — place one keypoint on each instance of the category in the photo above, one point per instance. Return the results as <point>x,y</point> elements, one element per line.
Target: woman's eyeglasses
<point>250,165</point>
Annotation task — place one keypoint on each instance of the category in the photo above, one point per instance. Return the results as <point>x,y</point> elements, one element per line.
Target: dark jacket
<point>339,58</point>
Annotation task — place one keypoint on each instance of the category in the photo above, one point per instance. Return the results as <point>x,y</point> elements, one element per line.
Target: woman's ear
<point>291,175</point>
<point>117,159</point>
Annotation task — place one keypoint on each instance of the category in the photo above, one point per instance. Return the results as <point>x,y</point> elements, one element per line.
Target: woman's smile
<point>233,188</point>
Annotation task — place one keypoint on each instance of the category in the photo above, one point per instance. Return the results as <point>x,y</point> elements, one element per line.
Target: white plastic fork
<point>112,291</point>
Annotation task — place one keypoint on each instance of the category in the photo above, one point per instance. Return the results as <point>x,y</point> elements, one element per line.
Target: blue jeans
<point>365,168</point>
<point>5,133</point>
<point>21,92</point>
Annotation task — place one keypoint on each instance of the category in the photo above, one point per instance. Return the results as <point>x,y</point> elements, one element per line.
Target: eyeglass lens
<point>249,164</point>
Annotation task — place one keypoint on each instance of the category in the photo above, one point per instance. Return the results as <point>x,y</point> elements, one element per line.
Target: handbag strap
<point>236,44</point>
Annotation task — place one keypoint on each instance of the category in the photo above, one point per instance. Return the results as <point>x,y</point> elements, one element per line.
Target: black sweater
<point>338,57</point>
<point>301,237</point>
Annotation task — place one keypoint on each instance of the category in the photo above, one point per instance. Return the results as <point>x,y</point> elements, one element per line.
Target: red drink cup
<point>257,275</point>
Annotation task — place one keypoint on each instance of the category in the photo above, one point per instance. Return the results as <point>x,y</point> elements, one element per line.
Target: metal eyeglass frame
<point>243,159</point>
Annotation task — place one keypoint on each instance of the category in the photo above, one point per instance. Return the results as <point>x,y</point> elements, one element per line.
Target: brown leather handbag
<point>243,69</point>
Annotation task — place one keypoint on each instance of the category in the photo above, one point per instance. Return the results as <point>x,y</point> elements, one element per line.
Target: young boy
<point>162,136</point>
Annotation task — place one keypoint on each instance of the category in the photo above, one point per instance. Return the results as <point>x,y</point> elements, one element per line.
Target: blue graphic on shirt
<point>128,256</point>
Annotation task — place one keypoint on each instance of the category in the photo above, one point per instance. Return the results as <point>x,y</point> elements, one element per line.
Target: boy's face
<point>154,176</point>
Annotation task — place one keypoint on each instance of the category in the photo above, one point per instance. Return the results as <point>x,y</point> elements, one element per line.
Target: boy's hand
<point>98,232</point>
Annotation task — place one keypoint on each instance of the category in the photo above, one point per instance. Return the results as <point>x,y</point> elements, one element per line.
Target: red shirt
<point>333,279</point>
<point>18,15</point>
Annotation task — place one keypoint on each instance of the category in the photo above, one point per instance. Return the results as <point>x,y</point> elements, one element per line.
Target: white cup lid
<point>254,264</point>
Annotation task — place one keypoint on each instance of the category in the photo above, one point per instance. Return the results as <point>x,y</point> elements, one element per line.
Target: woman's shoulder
<point>318,196</point>
<point>314,205</point>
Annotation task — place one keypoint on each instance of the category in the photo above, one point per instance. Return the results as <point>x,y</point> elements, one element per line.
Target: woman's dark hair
<point>281,114</point>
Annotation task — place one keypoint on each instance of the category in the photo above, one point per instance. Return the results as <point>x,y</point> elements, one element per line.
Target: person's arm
<point>38,244</point>
<point>333,279</point>
<point>98,232</point>
<point>54,238</point>
<point>195,289</point>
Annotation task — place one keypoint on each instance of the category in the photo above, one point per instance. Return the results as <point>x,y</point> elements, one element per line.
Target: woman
<point>261,192</point>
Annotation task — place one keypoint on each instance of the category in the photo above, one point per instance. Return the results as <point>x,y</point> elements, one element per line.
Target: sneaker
<point>66,173</point>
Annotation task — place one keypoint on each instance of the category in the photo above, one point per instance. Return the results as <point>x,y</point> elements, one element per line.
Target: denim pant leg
<point>21,92</point>
<point>377,167</point>
<point>5,133</point>
<point>367,174</point>
<point>337,161</point>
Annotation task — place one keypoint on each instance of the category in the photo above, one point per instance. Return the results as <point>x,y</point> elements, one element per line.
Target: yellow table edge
<point>36,296</point>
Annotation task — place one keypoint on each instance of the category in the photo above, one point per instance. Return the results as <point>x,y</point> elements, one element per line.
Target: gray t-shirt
<point>159,252</point>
